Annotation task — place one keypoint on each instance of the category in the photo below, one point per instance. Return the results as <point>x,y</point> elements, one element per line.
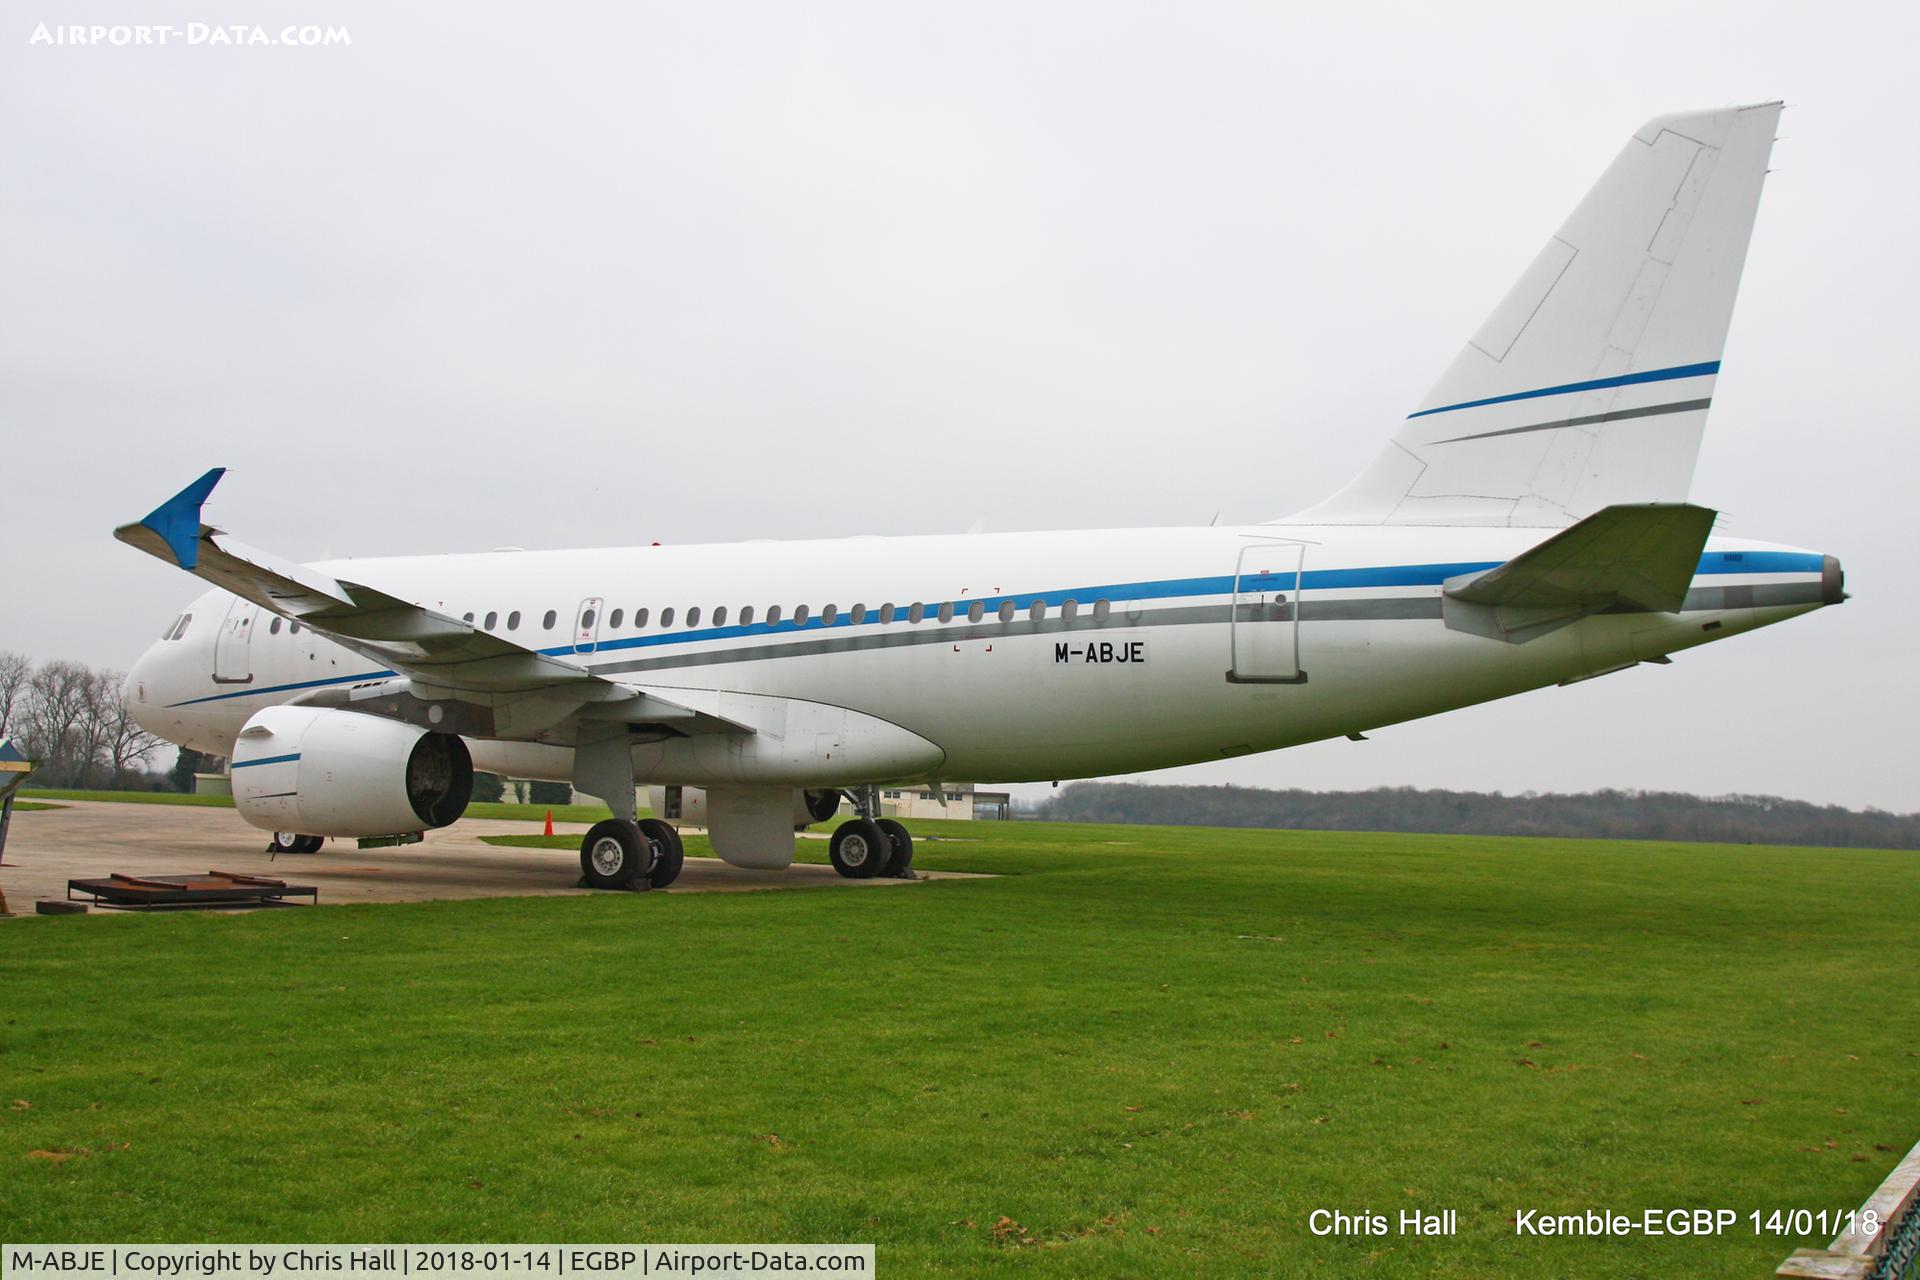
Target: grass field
<point>1141,1051</point>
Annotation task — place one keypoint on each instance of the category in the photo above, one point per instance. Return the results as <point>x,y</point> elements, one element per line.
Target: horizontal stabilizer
<point>1635,557</point>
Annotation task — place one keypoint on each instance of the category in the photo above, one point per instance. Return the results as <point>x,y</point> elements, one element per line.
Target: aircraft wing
<point>1637,557</point>
<point>439,656</point>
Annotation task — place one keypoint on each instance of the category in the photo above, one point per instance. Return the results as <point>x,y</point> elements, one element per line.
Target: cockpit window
<point>166,632</point>
<point>179,627</point>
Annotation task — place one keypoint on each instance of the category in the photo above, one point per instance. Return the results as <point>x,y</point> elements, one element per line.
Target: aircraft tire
<point>859,849</point>
<point>669,855</point>
<point>294,842</point>
<point>614,855</point>
<point>900,865</point>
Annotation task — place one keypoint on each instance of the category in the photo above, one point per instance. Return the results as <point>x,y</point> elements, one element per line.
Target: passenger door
<point>1266,608</point>
<point>232,648</point>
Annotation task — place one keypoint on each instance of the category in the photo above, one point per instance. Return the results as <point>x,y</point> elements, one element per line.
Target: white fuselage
<point>1157,664</point>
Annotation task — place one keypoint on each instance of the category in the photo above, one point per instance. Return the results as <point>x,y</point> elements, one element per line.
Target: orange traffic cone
<point>549,822</point>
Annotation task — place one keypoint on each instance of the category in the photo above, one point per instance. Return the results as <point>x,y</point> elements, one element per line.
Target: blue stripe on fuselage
<point>1405,575</point>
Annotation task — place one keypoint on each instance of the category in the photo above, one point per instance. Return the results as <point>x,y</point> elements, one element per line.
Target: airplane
<point>1527,525</point>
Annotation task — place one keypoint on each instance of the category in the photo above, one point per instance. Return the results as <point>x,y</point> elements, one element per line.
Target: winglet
<point>177,520</point>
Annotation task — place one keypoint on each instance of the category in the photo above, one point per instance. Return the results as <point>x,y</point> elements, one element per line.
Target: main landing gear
<point>619,853</point>
<point>294,842</point>
<point>866,847</point>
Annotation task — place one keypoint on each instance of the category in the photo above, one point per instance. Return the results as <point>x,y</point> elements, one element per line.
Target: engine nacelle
<point>809,807</point>
<point>341,773</point>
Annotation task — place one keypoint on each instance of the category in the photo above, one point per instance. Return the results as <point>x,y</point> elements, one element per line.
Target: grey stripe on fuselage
<point>1395,609</point>
<point>1592,420</point>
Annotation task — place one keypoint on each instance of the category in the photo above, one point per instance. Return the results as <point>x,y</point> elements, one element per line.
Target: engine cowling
<point>342,773</point>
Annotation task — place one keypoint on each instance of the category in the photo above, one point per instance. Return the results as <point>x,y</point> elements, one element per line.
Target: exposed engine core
<point>819,806</point>
<point>341,773</point>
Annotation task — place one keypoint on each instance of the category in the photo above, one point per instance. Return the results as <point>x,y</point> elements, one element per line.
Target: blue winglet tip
<point>177,520</point>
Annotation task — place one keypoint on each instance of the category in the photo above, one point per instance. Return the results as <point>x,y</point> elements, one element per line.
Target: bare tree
<point>100,710</point>
<point>57,705</point>
<point>125,743</point>
<point>16,669</point>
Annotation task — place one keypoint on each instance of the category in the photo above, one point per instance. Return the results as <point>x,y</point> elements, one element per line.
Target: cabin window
<point>1037,610</point>
<point>467,618</point>
<point>916,611</point>
<point>273,628</point>
<point>546,621</point>
<point>586,620</point>
<point>666,616</point>
<point>828,614</point>
<point>886,614</point>
<point>946,611</point>
<point>1069,608</point>
<point>613,619</point>
<point>1101,610</point>
<point>720,616</point>
<point>693,616</point>
<point>976,611</point>
<point>639,617</point>
<point>513,620</point>
<point>292,630</point>
<point>1006,611</point>
<point>746,615</point>
<point>858,615</point>
<point>773,615</point>
<point>493,617</point>
<point>799,615</point>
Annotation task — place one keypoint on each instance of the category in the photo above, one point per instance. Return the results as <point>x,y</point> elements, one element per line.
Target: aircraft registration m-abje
<point>1528,525</point>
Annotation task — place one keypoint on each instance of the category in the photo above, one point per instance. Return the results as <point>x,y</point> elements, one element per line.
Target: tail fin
<point>1588,386</point>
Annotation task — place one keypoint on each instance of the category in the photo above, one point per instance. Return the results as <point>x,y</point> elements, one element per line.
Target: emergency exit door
<point>586,625</point>
<point>1266,614</point>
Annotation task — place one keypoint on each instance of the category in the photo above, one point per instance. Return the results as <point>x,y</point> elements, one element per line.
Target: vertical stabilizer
<point>1589,384</point>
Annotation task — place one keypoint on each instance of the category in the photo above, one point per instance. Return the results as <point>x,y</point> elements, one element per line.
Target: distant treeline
<point>1625,815</point>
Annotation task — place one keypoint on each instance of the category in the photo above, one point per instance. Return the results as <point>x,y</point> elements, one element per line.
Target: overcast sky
<point>553,276</point>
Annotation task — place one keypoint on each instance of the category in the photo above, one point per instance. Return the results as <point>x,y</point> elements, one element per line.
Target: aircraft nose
<point>1833,581</point>
<point>136,694</point>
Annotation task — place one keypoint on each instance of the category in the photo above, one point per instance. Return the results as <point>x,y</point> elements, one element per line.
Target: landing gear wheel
<point>900,865</point>
<point>294,842</point>
<point>859,849</point>
<point>614,855</point>
<point>669,855</point>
